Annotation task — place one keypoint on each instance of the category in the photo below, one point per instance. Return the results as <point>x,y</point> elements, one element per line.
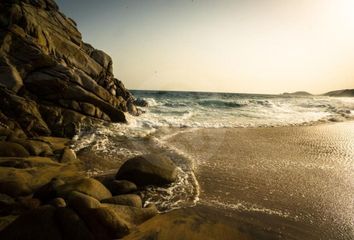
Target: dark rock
<point>15,187</point>
<point>18,206</point>
<point>7,204</point>
<point>141,102</point>
<point>105,223</point>
<point>58,202</point>
<point>35,148</point>
<point>81,202</point>
<point>36,224</point>
<point>24,111</point>
<point>148,170</point>
<point>24,181</point>
<point>44,64</point>
<point>125,199</point>
<point>120,186</point>
<point>10,77</point>
<point>9,149</point>
<point>194,223</point>
<point>56,143</point>
<point>133,215</point>
<point>48,191</point>
<point>6,220</point>
<point>29,203</point>
<point>88,186</point>
<point>71,225</point>
<point>341,93</point>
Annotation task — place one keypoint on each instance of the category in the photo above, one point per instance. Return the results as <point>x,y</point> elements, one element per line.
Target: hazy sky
<point>254,46</point>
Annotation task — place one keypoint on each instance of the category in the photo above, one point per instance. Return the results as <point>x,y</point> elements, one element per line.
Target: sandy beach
<point>296,181</point>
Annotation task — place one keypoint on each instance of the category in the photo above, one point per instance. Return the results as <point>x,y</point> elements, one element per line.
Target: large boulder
<point>120,186</point>
<point>45,65</point>
<point>23,176</point>
<point>148,170</point>
<point>81,202</point>
<point>125,199</point>
<point>10,149</point>
<point>35,148</point>
<point>200,222</point>
<point>71,225</point>
<point>88,186</point>
<point>105,223</point>
<point>133,215</point>
<point>36,224</point>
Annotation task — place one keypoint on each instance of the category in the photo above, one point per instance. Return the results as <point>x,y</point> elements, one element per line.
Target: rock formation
<point>341,93</point>
<point>51,82</point>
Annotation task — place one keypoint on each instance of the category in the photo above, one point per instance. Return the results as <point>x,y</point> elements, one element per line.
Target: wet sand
<point>295,181</point>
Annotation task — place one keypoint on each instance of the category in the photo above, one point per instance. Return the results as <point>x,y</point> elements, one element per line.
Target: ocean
<point>220,110</point>
<point>282,163</point>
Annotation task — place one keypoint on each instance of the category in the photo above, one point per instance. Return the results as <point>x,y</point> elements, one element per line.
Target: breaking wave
<point>190,111</point>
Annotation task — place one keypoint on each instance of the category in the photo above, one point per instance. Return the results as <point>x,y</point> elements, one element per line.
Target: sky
<point>243,46</point>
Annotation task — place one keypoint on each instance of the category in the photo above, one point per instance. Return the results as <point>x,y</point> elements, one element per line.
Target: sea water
<point>218,110</point>
<point>211,170</point>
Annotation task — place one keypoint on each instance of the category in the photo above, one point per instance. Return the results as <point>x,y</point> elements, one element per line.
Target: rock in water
<point>148,170</point>
<point>141,102</point>
<point>52,82</point>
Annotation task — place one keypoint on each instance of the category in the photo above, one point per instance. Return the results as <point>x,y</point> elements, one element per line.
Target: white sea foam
<point>248,207</point>
<point>220,111</point>
<point>189,112</point>
<point>182,193</point>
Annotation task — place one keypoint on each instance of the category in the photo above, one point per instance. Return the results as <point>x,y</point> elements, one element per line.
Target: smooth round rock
<point>118,187</point>
<point>125,199</point>
<point>148,170</point>
<point>9,149</point>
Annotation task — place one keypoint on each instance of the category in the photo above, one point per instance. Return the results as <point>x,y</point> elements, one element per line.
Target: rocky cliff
<point>51,82</point>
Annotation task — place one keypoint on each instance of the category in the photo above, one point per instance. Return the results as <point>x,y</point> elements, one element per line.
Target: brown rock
<point>35,148</point>
<point>118,187</point>
<point>25,112</point>
<point>133,215</point>
<point>81,202</point>
<point>148,170</point>
<point>58,202</point>
<point>105,223</point>
<point>46,64</point>
<point>10,77</point>
<point>71,225</point>
<point>36,224</point>
<point>88,186</point>
<point>68,156</point>
<point>126,199</point>
<point>9,149</point>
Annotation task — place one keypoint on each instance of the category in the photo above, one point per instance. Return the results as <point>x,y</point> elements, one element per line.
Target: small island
<point>341,93</point>
<point>298,93</point>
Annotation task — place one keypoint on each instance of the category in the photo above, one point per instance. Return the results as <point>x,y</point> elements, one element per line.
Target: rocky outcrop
<point>51,81</point>
<point>341,93</point>
<point>70,207</point>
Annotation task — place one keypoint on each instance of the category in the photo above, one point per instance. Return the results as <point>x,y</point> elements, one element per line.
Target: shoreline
<point>300,175</point>
<point>200,208</point>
